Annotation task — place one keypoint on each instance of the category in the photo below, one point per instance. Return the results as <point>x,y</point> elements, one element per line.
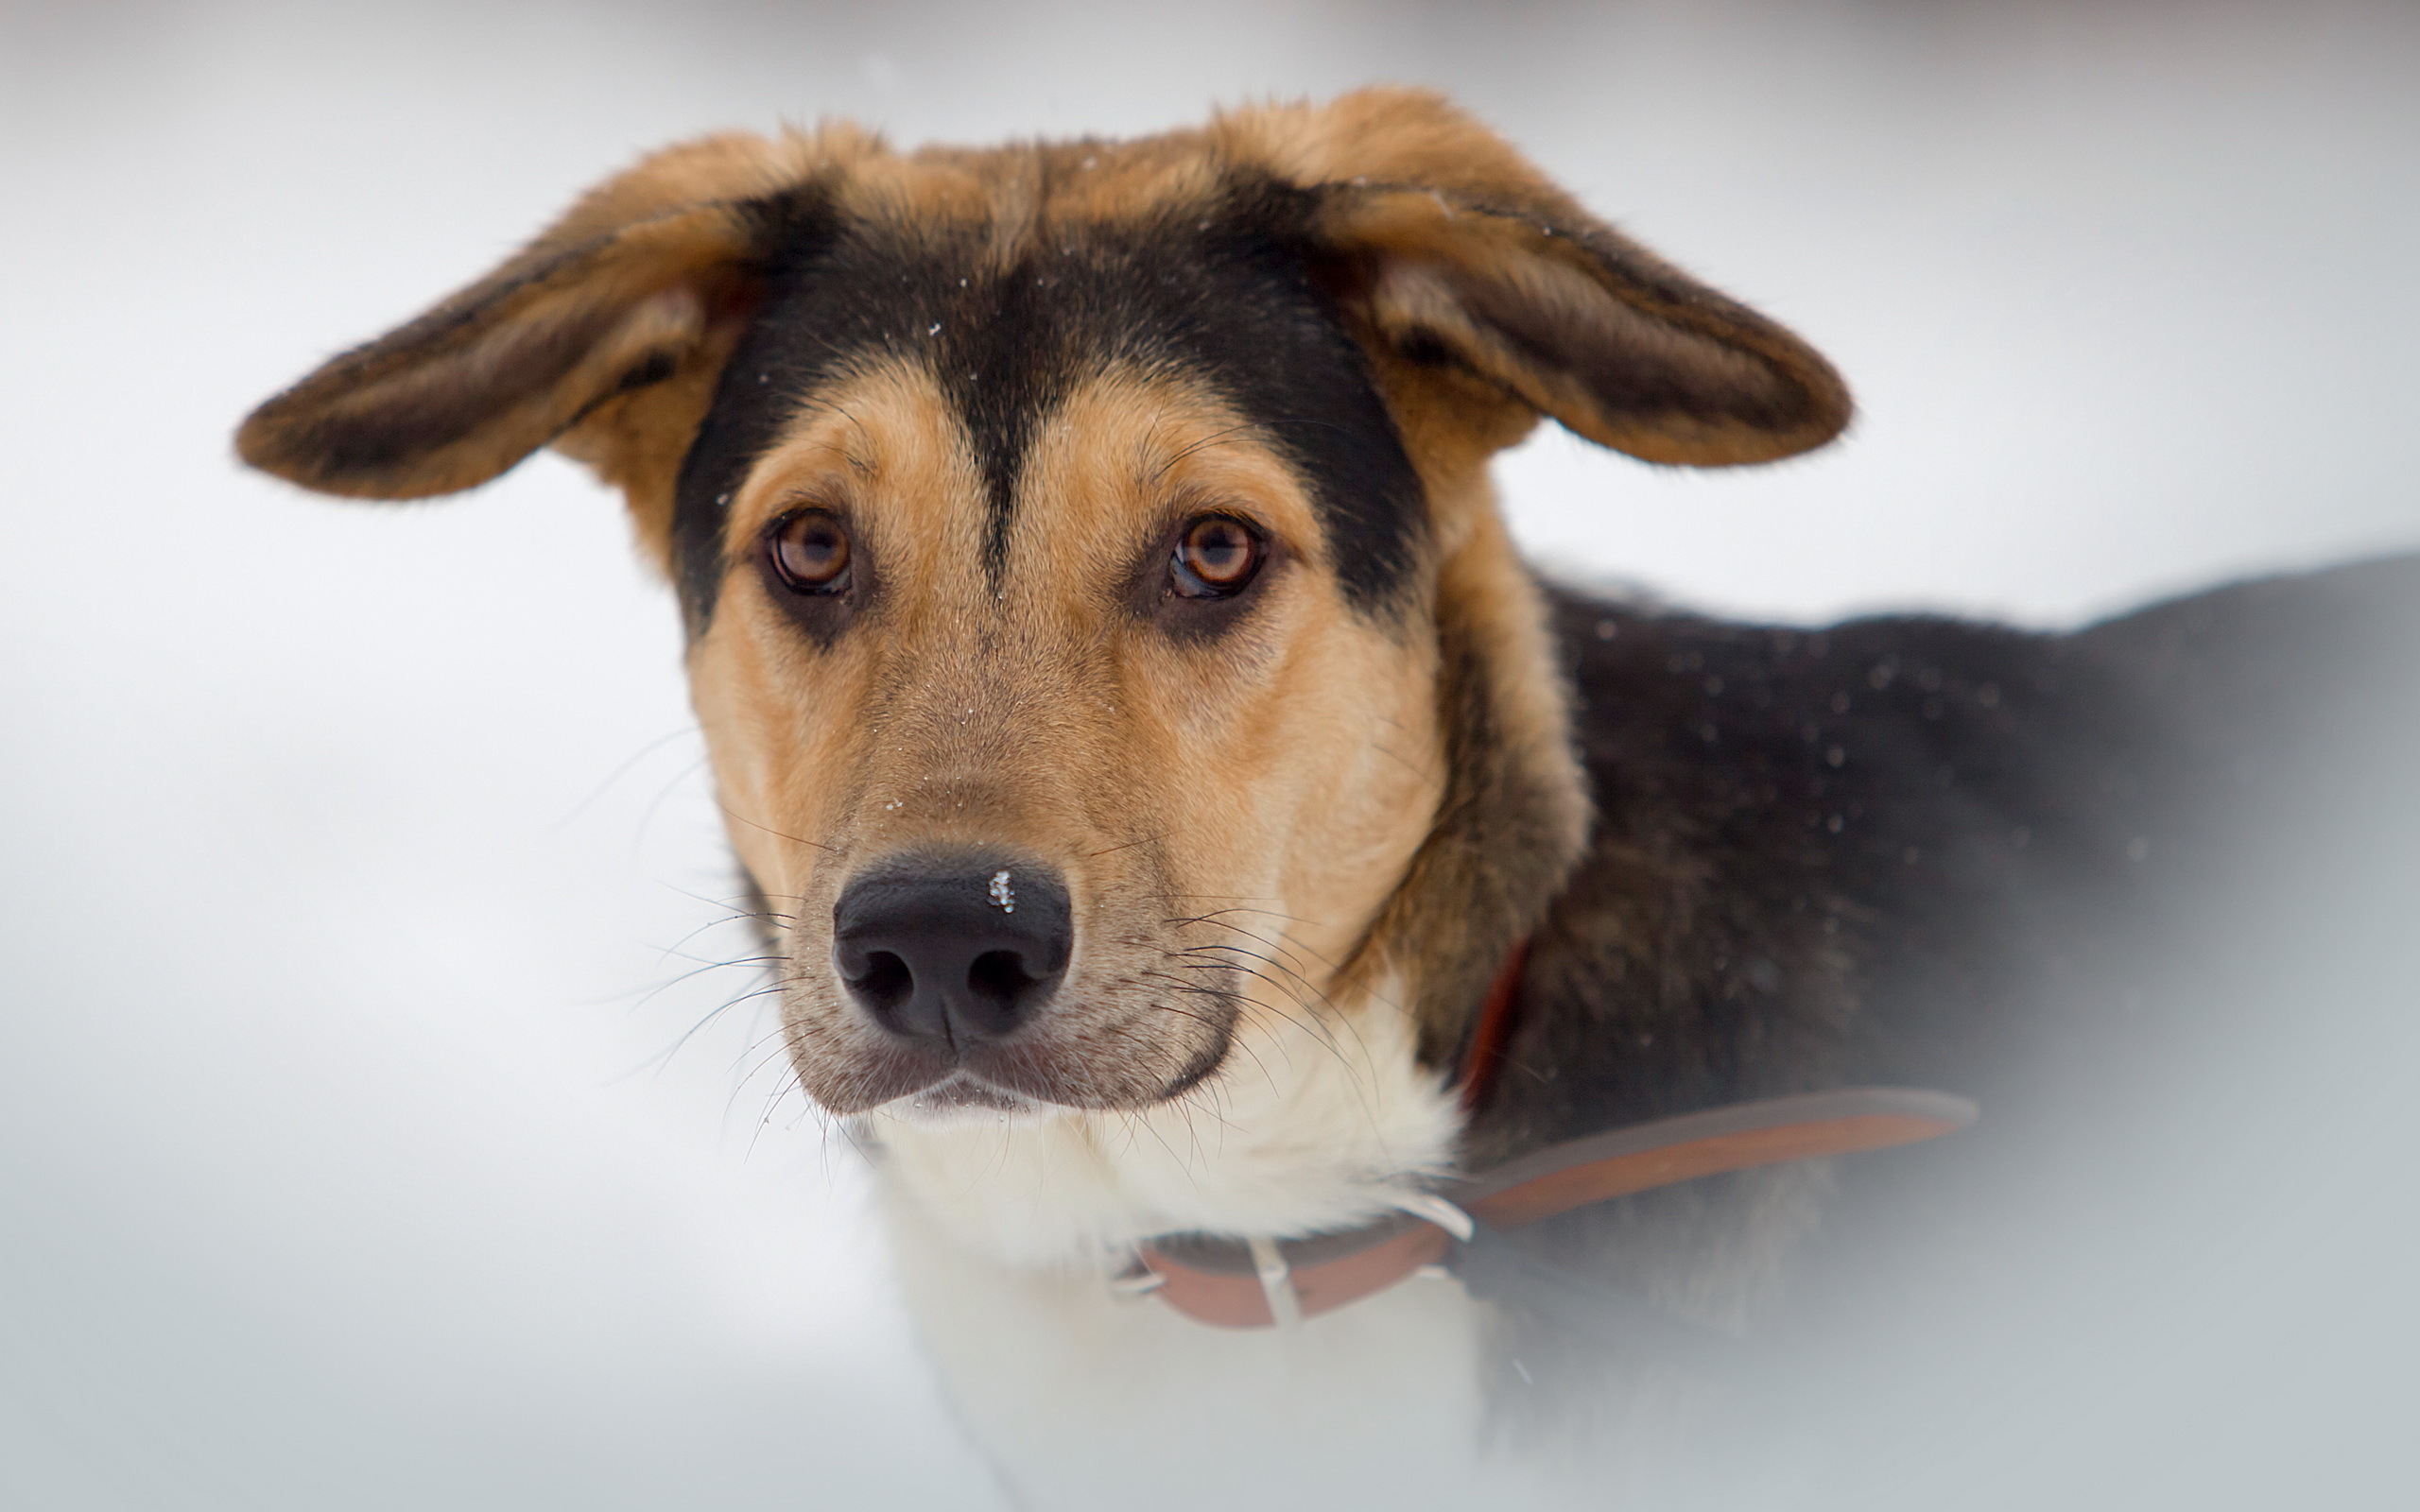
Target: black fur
<point>2027,868</point>
<point>792,230</point>
<point>1225,298</point>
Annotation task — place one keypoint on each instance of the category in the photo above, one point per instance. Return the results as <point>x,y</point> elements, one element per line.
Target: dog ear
<point>646,279</point>
<point>1453,252</point>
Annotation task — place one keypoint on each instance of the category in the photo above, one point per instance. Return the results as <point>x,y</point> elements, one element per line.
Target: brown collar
<point>1257,1282</point>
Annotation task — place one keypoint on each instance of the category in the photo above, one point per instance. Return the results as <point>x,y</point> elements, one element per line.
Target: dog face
<point>1105,646</point>
<point>1052,646</point>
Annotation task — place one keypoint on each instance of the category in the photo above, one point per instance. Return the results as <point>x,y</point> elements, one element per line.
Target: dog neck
<point>1315,1124</point>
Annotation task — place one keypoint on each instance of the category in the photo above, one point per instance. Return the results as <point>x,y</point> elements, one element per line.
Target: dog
<point>1198,846</point>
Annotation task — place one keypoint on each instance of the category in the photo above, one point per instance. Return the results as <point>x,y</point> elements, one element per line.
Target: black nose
<point>952,947</point>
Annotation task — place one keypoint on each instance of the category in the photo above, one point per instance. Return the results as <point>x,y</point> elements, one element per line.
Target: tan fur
<point>1279,788</point>
<point>1332,812</point>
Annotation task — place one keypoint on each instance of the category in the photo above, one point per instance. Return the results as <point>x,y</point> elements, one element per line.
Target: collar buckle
<point>1276,1281</point>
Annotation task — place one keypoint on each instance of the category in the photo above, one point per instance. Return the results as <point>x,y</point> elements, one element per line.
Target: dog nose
<point>954,948</point>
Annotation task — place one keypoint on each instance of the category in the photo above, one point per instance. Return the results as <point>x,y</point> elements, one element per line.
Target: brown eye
<point>810,552</point>
<point>1216,557</point>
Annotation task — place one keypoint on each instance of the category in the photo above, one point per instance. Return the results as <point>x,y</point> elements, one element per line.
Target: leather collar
<point>1258,1282</point>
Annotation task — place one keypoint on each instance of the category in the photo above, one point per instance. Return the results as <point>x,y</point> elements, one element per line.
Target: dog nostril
<point>999,976</point>
<point>886,982</point>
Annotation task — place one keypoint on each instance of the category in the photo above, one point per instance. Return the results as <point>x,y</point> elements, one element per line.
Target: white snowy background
<point>351,857</point>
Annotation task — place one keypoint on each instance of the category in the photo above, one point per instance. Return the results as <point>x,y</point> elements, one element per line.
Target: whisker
<point>1130,845</point>
<point>638,832</point>
<point>624,770</point>
<point>777,835</point>
<point>1217,439</point>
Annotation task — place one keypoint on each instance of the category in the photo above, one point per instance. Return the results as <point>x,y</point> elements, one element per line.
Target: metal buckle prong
<point>1276,1281</point>
<point>1438,1210</point>
<point>1135,1282</point>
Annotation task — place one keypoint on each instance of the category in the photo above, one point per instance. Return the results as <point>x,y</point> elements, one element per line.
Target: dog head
<point>1097,613</point>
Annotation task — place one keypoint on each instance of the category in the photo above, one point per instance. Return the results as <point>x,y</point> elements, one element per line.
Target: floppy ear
<point>1454,252</point>
<point>644,283</point>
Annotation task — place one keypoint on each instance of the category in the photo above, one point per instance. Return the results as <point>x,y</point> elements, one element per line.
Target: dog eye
<point>809,552</point>
<point>1216,557</point>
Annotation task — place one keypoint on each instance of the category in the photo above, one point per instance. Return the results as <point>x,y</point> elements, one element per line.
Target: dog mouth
<point>1110,1050</point>
<point>1033,1075</point>
<point>963,1098</point>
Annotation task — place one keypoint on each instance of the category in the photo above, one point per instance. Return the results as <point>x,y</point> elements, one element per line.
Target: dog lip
<point>984,1079</point>
<point>963,1092</point>
<point>858,1082</point>
<point>1202,1067</point>
<point>1047,1067</point>
<point>1034,1074</point>
<point>923,1079</point>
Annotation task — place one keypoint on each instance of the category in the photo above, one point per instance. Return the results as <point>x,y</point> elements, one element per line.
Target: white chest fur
<point>1311,1125</point>
<point>1084,1401</point>
<point>1006,1236</point>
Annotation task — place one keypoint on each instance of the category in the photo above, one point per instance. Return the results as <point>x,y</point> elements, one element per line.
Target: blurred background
<point>371,1135</point>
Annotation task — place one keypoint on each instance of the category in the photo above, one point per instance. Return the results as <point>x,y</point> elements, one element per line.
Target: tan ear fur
<point>1455,249</point>
<point>627,291</point>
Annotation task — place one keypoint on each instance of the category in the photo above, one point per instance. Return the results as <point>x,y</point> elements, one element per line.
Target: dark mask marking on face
<point>1219,293</point>
<point>794,229</point>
